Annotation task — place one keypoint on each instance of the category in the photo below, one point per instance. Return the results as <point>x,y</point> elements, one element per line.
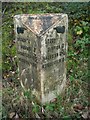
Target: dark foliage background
<point>76,95</point>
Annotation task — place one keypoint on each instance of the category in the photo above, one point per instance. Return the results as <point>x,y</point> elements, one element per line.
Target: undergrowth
<point>73,103</point>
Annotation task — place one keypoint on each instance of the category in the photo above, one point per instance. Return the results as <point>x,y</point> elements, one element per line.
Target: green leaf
<point>27,94</point>
<point>71,78</point>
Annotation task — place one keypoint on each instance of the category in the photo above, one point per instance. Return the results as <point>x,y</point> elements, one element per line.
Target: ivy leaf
<point>79,32</point>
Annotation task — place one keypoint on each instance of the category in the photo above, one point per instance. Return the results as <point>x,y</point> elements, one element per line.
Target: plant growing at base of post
<point>49,107</point>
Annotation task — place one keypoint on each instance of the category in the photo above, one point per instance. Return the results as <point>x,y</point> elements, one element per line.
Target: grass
<point>73,103</point>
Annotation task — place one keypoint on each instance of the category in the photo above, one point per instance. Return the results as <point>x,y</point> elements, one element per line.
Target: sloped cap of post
<point>39,23</point>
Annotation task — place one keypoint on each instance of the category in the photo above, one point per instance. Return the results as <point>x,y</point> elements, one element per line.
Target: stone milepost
<point>41,49</point>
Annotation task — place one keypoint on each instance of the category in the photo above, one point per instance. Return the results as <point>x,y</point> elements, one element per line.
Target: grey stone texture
<point>42,50</point>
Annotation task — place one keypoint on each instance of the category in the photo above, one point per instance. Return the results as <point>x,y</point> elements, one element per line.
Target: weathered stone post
<point>41,48</point>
